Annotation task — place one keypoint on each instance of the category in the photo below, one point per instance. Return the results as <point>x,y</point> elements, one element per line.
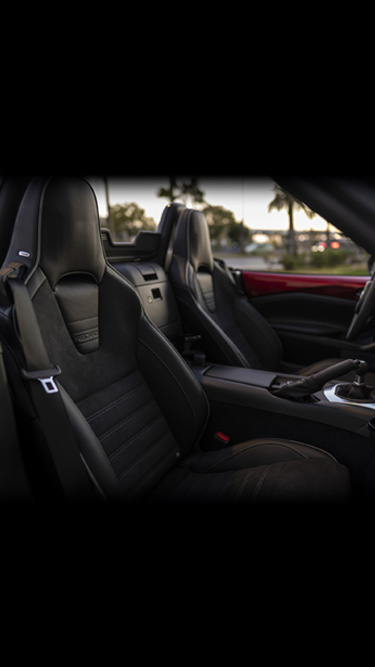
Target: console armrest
<point>242,375</point>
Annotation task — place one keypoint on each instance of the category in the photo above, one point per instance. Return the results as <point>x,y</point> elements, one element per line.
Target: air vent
<point>150,276</point>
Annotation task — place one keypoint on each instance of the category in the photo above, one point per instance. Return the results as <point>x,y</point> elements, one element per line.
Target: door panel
<point>310,326</point>
<point>310,313</point>
<point>259,284</point>
<point>306,313</point>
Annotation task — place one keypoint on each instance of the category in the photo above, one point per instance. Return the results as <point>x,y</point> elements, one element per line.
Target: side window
<point>269,230</point>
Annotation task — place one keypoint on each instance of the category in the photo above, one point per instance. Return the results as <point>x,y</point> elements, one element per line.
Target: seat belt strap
<point>70,467</point>
<point>14,484</point>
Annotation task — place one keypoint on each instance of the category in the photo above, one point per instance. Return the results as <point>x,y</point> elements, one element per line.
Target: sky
<point>247,197</point>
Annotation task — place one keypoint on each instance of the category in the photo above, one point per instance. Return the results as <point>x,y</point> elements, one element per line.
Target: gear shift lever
<point>357,389</point>
<point>308,384</point>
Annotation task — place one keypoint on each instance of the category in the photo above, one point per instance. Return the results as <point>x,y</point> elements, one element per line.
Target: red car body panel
<point>262,284</point>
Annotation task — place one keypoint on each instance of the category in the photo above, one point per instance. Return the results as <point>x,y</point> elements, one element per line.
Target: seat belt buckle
<point>188,342</point>
<point>45,378</point>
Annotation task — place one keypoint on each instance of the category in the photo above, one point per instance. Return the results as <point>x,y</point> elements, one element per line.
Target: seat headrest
<point>58,229</point>
<point>192,240</point>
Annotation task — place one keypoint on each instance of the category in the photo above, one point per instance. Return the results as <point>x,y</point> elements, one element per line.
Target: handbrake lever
<point>309,384</point>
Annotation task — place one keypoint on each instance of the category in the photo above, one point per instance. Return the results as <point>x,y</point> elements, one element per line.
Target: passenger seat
<point>210,303</point>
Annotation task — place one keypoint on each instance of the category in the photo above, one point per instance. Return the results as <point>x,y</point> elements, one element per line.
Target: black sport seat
<point>136,410</point>
<point>210,303</point>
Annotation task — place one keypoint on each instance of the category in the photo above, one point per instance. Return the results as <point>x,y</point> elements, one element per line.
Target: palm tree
<point>284,200</point>
<point>182,189</point>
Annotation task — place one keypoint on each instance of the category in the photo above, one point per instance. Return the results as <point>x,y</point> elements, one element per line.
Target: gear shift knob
<point>360,373</point>
<point>357,389</point>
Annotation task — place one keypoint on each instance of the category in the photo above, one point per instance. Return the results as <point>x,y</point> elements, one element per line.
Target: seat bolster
<point>260,336</point>
<point>92,452</point>
<point>259,451</point>
<point>247,328</point>
<point>175,388</point>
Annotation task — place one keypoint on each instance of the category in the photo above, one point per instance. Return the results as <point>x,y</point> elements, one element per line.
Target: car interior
<point>142,377</point>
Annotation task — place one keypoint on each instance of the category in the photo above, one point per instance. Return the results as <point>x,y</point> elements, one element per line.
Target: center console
<point>261,390</point>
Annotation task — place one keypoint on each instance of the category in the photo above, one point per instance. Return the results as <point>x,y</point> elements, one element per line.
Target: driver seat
<point>233,331</point>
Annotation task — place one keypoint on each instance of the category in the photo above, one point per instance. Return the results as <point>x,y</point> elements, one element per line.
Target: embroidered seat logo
<point>86,336</point>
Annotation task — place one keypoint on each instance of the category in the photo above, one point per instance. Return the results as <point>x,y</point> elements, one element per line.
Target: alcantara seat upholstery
<point>136,409</point>
<point>233,331</point>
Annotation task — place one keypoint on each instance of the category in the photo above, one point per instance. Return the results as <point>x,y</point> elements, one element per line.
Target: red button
<point>222,437</point>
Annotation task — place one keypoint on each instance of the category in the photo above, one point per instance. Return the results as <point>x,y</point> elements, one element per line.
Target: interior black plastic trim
<point>243,375</point>
<point>145,246</point>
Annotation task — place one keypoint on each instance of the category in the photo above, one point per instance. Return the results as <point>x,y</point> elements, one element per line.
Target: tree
<point>182,189</point>
<point>284,200</point>
<point>218,219</point>
<point>129,219</point>
<point>240,234</point>
<point>222,224</point>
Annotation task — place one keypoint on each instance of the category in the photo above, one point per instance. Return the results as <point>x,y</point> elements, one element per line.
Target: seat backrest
<point>135,407</point>
<point>211,304</point>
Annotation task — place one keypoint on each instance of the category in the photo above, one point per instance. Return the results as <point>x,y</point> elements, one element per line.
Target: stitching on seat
<point>144,453</point>
<point>133,414</point>
<point>260,483</point>
<point>107,386</point>
<point>114,403</point>
<point>159,465</point>
<point>127,443</point>
<point>242,487</point>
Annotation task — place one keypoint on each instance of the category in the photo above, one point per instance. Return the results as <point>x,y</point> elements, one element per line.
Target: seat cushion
<point>257,471</point>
